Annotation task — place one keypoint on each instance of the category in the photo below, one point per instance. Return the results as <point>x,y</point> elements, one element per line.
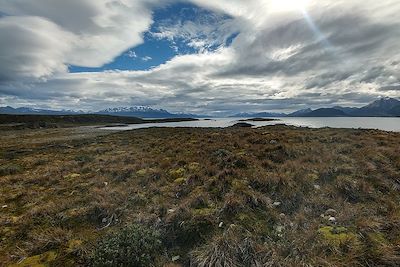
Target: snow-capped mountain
<point>145,112</point>
<point>36,111</point>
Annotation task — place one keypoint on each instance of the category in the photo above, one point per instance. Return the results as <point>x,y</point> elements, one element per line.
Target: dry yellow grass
<point>274,185</point>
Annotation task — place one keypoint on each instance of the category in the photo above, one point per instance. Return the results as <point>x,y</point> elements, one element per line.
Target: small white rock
<point>4,206</point>
<point>221,224</point>
<point>332,219</point>
<point>317,187</point>
<point>279,229</point>
<point>276,204</point>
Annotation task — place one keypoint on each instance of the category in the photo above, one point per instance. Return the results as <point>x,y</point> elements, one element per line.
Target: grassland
<point>271,196</point>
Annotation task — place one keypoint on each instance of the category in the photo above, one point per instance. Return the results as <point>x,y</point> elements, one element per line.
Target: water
<point>386,124</point>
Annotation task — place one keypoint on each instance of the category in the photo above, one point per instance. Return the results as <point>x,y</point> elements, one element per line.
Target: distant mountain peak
<point>132,109</point>
<point>385,103</point>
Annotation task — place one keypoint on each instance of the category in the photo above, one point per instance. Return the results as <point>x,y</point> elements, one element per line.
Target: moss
<point>142,172</point>
<point>336,236</point>
<point>377,238</point>
<point>203,212</point>
<point>194,166</point>
<point>255,221</point>
<point>180,180</point>
<point>42,260</point>
<point>313,177</point>
<point>177,173</point>
<point>72,176</point>
<point>239,185</point>
<point>73,245</point>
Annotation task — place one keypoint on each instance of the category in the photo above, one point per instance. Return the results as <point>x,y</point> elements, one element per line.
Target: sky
<point>215,57</point>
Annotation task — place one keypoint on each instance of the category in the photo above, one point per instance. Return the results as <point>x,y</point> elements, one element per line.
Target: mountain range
<point>384,107</point>
<point>137,111</point>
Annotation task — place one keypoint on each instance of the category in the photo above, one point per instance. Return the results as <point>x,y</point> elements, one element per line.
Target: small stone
<point>176,258</point>
<point>105,183</point>
<point>279,229</point>
<point>332,219</point>
<point>221,224</point>
<point>4,206</point>
<point>276,204</point>
<point>171,211</point>
<point>317,187</point>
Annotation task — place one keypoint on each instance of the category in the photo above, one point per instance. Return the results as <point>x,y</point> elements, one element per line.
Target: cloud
<point>146,58</point>
<point>32,47</point>
<point>51,34</point>
<point>336,52</point>
<point>200,29</point>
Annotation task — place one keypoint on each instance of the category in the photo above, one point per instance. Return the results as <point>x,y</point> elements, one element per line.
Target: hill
<point>325,112</point>
<point>54,121</point>
<point>384,107</point>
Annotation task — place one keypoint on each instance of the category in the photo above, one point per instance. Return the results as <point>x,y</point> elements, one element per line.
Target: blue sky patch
<point>157,50</point>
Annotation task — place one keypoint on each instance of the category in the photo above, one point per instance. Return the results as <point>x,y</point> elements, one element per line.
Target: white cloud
<point>146,58</point>
<point>85,32</point>
<point>346,53</point>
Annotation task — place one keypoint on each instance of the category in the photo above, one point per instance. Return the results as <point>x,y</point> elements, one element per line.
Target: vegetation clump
<point>135,245</point>
<point>10,169</point>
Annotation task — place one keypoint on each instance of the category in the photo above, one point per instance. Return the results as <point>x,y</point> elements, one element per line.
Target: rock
<point>221,224</point>
<point>317,187</point>
<point>330,212</point>
<point>4,206</point>
<point>279,228</point>
<point>276,204</point>
<point>171,211</point>
<point>273,142</point>
<point>176,258</point>
<point>332,219</point>
<point>105,183</point>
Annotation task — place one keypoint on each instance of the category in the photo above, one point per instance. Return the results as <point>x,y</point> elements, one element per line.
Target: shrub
<point>10,169</point>
<point>135,245</point>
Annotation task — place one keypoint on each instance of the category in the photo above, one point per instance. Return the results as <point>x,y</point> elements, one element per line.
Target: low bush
<point>136,245</point>
<point>10,169</point>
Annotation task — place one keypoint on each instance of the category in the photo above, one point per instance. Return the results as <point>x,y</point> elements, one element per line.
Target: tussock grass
<point>218,197</point>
